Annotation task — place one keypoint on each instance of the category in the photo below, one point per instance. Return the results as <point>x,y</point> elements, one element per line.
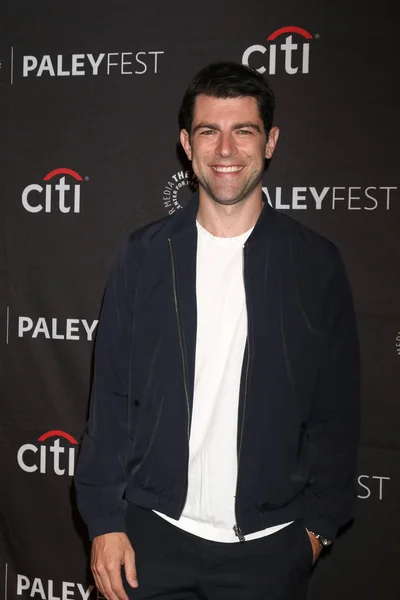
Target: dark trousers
<point>175,565</point>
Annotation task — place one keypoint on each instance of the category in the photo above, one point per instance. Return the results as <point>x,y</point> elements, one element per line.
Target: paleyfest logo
<point>49,589</point>
<point>54,457</point>
<point>372,486</point>
<point>61,197</point>
<point>101,63</point>
<point>337,197</point>
<point>56,328</point>
<point>288,49</point>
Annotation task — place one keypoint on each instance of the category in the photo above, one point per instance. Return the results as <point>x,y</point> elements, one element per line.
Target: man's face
<point>227,146</point>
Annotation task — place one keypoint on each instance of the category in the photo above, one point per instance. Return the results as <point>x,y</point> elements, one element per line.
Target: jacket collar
<point>186,220</point>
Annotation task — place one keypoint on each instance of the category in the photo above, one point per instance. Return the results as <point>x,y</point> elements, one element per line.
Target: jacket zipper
<point>236,527</point>
<point>184,368</point>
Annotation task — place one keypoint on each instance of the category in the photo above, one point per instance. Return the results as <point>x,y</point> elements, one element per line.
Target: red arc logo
<point>62,172</point>
<point>57,433</point>
<point>289,29</point>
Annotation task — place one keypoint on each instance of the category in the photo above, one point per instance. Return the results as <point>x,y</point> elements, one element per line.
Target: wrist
<point>322,541</point>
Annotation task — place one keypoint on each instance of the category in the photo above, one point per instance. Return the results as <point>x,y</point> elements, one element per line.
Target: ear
<point>185,141</point>
<point>272,141</point>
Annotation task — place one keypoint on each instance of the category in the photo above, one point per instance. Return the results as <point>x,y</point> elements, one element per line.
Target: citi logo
<point>61,196</point>
<point>296,54</point>
<point>49,458</point>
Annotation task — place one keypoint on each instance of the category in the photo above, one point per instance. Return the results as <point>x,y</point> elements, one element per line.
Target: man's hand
<point>109,552</point>
<point>316,546</point>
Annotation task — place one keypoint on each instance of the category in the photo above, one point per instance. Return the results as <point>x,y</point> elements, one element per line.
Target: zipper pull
<point>239,533</point>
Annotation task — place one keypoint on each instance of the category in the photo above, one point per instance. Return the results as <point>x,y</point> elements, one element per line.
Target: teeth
<point>227,169</point>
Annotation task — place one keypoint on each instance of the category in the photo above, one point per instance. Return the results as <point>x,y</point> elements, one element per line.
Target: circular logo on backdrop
<point>178,190</point>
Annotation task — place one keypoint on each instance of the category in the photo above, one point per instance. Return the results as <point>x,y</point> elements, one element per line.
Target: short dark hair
<point>228,80</point>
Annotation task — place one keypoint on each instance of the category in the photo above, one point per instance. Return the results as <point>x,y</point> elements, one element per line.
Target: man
<point>220,452</point>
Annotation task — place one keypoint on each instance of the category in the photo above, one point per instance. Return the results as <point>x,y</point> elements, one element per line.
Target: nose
<point>226,145</point>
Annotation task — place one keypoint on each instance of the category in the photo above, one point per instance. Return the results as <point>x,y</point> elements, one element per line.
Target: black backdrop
<point>89,100</point>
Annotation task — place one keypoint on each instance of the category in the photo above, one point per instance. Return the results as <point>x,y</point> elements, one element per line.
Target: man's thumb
<point>130,569</point>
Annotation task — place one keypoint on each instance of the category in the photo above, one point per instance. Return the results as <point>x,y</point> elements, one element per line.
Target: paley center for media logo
<point>173,199</point>
<point>61,192</point>
<point>287,49</point>
<point>54,452</point>
<point>138,62</point>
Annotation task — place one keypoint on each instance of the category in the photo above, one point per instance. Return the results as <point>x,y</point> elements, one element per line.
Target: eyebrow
<point>247,124</point>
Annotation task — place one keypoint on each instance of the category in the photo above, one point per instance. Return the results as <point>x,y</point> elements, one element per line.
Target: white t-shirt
<point>209,510</point>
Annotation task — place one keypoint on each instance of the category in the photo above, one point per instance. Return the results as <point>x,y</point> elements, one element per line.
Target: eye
<point>244,132</point>
<point>207,132</point>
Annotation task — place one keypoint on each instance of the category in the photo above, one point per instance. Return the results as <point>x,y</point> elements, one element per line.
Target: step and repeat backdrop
<point>89,98</point>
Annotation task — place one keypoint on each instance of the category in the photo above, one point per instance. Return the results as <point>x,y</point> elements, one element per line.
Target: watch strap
<point>324,542</point>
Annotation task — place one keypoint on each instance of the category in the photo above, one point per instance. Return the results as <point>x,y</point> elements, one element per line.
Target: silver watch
<point>322,540</point>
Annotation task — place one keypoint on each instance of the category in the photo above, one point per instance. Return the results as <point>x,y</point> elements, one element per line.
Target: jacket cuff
<point>107,525</point>
<point>322,526</point>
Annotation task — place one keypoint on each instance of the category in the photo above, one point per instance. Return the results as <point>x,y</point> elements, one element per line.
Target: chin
<point>227,201</point>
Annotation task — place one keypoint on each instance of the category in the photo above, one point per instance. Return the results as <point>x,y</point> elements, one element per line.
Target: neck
<point>231,220</point>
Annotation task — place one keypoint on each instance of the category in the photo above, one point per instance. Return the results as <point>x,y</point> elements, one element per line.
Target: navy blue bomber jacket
<point>299,395</point>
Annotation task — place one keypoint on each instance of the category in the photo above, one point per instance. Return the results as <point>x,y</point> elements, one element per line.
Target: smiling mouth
<point>233,169</point>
